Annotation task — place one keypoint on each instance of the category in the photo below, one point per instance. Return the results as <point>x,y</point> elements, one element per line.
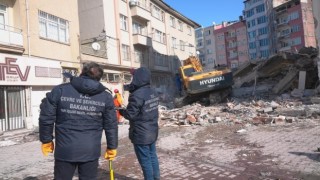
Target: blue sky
<point>204,12</point>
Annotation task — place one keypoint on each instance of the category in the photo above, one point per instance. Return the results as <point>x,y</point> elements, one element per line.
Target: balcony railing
<point>10,36</point>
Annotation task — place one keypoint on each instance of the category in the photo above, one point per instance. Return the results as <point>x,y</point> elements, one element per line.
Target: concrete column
<point>302,80</point>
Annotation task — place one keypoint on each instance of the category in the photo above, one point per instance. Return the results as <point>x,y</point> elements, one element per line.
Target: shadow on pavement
<point>312,156</point>
<point>30,178</point>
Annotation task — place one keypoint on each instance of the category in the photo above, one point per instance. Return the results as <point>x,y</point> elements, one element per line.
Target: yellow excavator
<point>209,87</point>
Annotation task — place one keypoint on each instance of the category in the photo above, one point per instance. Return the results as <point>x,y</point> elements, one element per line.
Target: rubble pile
<point>267,92</point>
<point>278,74</point>
<point>284,109</point>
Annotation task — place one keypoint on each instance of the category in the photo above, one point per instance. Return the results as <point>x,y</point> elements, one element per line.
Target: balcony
<point>282,23</point>
<point>140,10</point>
<point>141,39</point>
<point>11,39</point>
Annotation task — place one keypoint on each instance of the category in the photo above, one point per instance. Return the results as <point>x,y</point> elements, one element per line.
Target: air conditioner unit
<point>133,2</point>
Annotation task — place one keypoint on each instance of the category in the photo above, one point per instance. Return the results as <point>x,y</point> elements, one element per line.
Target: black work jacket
<point>79,111</point>
<point>142,109</point>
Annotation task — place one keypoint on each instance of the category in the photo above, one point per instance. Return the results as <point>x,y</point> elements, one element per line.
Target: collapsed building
<point>279,90</point>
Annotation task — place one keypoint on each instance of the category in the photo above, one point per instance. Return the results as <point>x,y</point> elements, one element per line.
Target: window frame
<point>59,30</point>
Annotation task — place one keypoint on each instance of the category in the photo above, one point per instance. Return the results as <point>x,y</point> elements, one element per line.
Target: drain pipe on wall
<point>28,26</point>
<point>29,114</point>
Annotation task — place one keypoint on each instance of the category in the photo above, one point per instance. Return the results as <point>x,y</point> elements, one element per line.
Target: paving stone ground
<point>197,153</point>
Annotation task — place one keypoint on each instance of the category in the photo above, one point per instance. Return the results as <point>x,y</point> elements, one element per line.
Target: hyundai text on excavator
<point>209,87</point>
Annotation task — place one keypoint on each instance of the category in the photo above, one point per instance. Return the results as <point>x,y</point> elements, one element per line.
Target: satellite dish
<point>95,46</point>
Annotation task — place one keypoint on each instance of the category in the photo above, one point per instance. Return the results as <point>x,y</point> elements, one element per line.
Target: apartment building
<point>231,43</point>
<point>294,25</point>
<point>127,34</point>
<point>259,19</point>
<point>200,46</point>
<point>38,40</point>
<point>206,46</point>
<point>316,16</point>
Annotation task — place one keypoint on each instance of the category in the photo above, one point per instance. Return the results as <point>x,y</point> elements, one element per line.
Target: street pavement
<point>210,152</point>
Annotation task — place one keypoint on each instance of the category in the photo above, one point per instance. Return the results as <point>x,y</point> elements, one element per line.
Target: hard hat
<point>116,91</point>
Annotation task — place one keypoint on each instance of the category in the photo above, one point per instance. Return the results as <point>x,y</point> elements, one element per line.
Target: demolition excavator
<point>208,87</point>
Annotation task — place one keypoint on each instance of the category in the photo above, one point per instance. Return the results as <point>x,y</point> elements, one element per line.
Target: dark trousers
<point>64,170</point>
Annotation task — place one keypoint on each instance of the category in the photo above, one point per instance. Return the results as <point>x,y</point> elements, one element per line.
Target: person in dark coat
<point>78,111</point>
<point>142,113</point>
<point>178,83</point>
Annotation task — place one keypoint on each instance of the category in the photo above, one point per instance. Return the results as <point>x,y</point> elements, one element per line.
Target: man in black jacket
<point>79,111</point>
<point>142,113</point>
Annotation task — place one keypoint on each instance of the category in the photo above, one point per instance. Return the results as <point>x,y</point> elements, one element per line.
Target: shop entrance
<point>12,108</point>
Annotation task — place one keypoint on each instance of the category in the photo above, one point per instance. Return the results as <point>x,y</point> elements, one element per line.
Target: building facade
<point>206,46</point>
<point>38,41</point>
<point>295,25</point>
<point>259,19</point>
<point>135,33</point>
<point>231,44</point>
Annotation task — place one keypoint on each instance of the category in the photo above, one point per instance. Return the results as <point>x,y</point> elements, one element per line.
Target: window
<point>264,53</point>
<point>264,42</point>
<point>73,72</point>
<point>191,49</point>
<point>123,22</point>
<point>189,31</point>
<point>296,41</point>
<point>210,60</point>
<point>182,45</point>
<point>260,8</point>
<point>208,42</point>
<point>127,78</point>
<point>261,19</point>
<point>207,33</point>
<point>253,22</point>
<point>198,33</point>
<point>53,27</point>
<point>252,45</point>
<point>252,34</point>
<point>159,36</point>
<point>253,55</point>
<point>172,22</point>
<point>138,56</point>
<point>199,43</point>
<point>294,15</point>
<point>3,15</point>
<point>157,13</point>
<point>180,25</point>
<point>209,51</point>
<point>295,28</point>
<point>136,28</point>
<point>250,12</point>
<point>262,31</point>
<point>112,77</point>
<point>125,52</point>
<point>174,42</point>
<point>160,60</point>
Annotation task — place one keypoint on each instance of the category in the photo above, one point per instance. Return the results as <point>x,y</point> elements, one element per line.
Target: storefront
<point>23,83</point>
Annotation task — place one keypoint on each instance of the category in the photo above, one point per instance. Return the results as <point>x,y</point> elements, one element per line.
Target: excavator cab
<point>204,85</point>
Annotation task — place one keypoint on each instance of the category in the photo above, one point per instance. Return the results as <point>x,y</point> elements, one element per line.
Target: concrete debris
<point>278,75</point>
<point>247,112</point>
<point>269,92</point>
